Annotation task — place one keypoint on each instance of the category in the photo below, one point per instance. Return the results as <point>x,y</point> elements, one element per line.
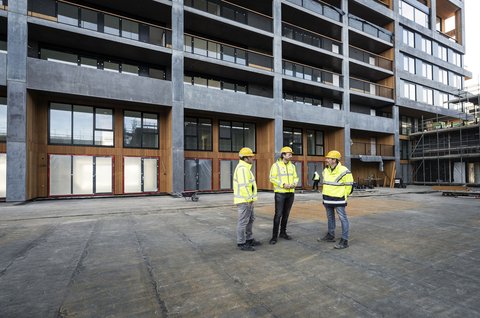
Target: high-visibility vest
<point>244,185</point>
<point>337,185</point>
<point>316,176</point>
<point>281,173</point>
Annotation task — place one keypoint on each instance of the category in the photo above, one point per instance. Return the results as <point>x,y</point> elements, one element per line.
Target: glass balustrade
<point>311,38</point>
<point>368,149</point>
<point>370,88</point>
<point>370,58</point>
<point>99,21</point>
<point>228,53</point>
<point>232,12</point>
<point>321,8</point>
<point>313,74</point>
<point>367,27</point>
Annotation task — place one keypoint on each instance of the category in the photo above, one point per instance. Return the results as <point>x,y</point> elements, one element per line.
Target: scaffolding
<point>446,150</point>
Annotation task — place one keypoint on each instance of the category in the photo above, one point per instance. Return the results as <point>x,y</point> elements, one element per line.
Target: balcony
<point>321,8</point>
<point>370,58</point>
<point>311,38</point>
<point>228,53</point>
<point>370,88</point>
<point>95,20</point>
<point>369,28</point>
<point>368,149</point>
<point>310,73</point>
<point>233,12</point>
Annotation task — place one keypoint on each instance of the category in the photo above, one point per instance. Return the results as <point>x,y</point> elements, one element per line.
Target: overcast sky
<point>472,41</point>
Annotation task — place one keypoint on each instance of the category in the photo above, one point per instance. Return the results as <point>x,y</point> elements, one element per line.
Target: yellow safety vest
<point>337,185</point>
<point>244,185</point>
<point>281,173</point>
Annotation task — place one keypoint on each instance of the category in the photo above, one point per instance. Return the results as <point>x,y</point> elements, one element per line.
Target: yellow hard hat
<point>333,154</point>
<point>286,149</point>
<point>246,152</point>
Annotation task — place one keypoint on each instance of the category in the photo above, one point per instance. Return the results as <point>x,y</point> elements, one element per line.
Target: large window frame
<point>228,135</point>
<point>315,142</point>
<point>293,137</point>
<point>198,134</point>
<point>147,120</point>
<point>3,119</point>
<point>71,121</point>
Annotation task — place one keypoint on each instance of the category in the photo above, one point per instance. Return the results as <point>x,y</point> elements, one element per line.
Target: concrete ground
<point>413,253</point>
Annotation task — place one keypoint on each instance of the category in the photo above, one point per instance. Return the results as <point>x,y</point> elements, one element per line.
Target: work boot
<point>253,242</point>
<point>327,238</point>
<point>246,247</point>
<point>273,241</point>
<point>285,236</point>
<point>342,244</point>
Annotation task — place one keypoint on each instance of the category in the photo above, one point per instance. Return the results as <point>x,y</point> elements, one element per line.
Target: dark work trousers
<point>283,205</point>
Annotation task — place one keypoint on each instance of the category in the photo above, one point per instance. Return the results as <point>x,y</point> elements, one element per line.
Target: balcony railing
<point>370,58</point>
<point>313,74</point>
<point>368,149</point>
<point>321,8</point>
<point>233,12</point>
<point>228,53</point>
<point>100,21</point>
<point>311,38</point>
<point>370,88</point>
<point>367,27</point>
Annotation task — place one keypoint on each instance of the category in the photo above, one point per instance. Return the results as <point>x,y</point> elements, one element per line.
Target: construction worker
<point>337,186</point>
<point>283,176</point>
<point>244,194</point>
<point>316,180</point>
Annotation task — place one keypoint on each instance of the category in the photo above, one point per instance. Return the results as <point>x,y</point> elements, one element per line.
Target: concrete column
<point>433,14</point>
<point>347,157</point>
<point>396,109</point>
<point>178,102</point>
<point>17,101</point>
<point>277,77</point>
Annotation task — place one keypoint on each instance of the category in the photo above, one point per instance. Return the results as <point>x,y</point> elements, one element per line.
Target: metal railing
<point>370,58</point>
<point>311,38</point>
<point>370,88</point>
<point>313,74</point>
<point>367,27</point>
<point>100,21</point>
<point>369,149</point>
<point>229,53</point>
<point>320,7</point>
<point>233,12</point>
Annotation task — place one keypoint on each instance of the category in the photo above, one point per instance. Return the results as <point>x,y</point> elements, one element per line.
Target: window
<point>80,125</point>
<point>408,38</point>
<point>456,80</point>
<point>443,76</point>
<point>426,46</point>
<point>427,95</point>
<point>227,168</point>
<point>80,175</point>
<point>427,70</point>
<point>405,125</point>
<point>409,90</point>
<point>442,100</point>
<point>140,174</point>
<point>140,130</point>
<point>235,135</point>
<point>293,137</point>
<point>3,119</point>
<point>442,52</point>
<point>404,149</point>
<point>409,64</point>
<point>198,134</point>
<point>315,143</point>
<point>456,59</point>
<point>414,14</point>
<point>3,175</point>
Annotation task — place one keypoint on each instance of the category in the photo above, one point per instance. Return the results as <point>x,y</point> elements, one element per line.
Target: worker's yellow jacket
<point>337,185</point>
<point>281,173</point>
<point>244,184</point>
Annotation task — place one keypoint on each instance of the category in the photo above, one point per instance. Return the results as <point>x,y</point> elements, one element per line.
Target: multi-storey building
<point>157,96</point>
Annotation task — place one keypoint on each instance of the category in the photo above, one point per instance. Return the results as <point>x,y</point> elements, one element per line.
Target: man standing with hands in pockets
<point>283,176</point>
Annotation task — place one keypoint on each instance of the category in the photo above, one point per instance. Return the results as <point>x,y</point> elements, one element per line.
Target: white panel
<point>3,175</point>
<point>82,175</point>
<point>459,172</point>
<point>103,175</point>
<point>132,174</point>
<point>60,175</point>
<point>150,175</point>
<point>225,174</point>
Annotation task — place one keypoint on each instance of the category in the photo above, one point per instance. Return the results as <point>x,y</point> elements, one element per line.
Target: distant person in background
<point>316,180</point>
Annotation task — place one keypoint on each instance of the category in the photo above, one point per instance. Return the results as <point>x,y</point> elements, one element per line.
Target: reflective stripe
<point>342,175</point>
<point>334,202</point>
<point>333,183</point>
